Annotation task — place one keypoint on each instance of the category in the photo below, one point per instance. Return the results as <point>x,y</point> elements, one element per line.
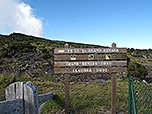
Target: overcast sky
<point>126,22</point>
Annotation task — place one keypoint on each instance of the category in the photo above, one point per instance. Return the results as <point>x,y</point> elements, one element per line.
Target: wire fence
<point>143,96</point>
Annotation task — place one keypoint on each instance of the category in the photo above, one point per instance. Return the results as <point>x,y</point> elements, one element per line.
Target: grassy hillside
<point>28,55</point>
<point>28,58</point>
<point>85,97</point>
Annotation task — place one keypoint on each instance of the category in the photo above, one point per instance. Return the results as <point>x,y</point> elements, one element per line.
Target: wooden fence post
<point>13,92</point>
<point>27,92</point>
<point>30,98</point>
<point>22,98</point>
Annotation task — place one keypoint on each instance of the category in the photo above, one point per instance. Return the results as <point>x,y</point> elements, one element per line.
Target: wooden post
<point>113,88</point>
<point>113,94</point>
<point>66,94</point>
<point>30,98</point>
<point>11,106</point>
<point>14,91</point>
<point>66,89</point>
<point>22,98</point>
<point>113,45</point>
<point>67,64</point>
<point>14,99</point>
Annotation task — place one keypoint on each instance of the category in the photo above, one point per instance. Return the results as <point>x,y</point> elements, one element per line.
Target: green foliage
<point>22,46</point>
<point>144,53</point>
<point>5,80</point>
<point>7,66</point>
<point>131,50</point>
<point>16,47</point>
<point>137,70</point>
<point>46,56</point>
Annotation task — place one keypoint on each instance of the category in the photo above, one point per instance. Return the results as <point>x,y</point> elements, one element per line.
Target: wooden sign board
<point>90,50</point>
<point>90,70</point>
<point>90,63</point>
<point>92,58</point>
<point>86,57</point>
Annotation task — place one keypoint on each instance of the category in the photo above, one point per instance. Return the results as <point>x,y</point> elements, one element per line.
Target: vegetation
<point>31,59</point>
<point>85,97</point>
<point>5,80</point>
<point>136,67</point>
<point>140,56</point>
<point>137,70</point>
<point>12,48</point>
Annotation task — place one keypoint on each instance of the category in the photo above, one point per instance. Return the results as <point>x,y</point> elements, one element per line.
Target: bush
<point>46,56</point>
<point>17,47</point>
<point>6,79</point>
<point>137,70</point>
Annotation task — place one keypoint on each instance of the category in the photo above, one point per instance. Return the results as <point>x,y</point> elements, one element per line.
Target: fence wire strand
<point>143,96</point>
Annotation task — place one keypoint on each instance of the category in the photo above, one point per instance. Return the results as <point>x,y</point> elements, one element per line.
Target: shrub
<point>6,79</point>
<point>46,56</point>
<point>17,47</point>
<point>137,70</point>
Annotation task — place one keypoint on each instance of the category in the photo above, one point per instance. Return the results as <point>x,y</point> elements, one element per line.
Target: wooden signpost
<point>92,61</point>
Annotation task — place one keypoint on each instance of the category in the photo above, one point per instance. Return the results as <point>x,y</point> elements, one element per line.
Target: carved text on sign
<point>90,63</point>
<point>89,70</point>
<point>103,63</point>
<point>92,50</point>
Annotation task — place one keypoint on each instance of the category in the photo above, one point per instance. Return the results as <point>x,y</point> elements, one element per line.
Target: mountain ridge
<point>33,56</point>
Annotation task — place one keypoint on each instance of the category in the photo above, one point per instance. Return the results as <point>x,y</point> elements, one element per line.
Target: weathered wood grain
<point>10,92</point>
<point>14,91</point>
<point>11,107</point>
<point>90,63</point>
<point>96,57</point>
<point>22,98</point>
<point>19,90</point>
<point>14,97</point>
<point>90,50</point>
<point>113,93</point>
<point>90,70</point>
<point>67,94</point>
<point>30,98</point>
<point>44,97</point>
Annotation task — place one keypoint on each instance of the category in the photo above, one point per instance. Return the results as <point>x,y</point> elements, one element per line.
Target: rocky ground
<point>37,59</point>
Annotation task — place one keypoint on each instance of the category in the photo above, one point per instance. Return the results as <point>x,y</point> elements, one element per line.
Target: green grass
<point>85,97</point>
<point>7,66</point>
<point>5,80</point>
